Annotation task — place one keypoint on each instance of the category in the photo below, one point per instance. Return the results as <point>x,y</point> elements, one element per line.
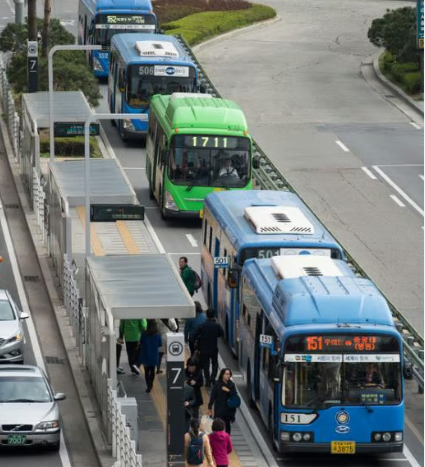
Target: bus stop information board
<point>420,23</point>
<point>116,212</point>
<point>64,129</point>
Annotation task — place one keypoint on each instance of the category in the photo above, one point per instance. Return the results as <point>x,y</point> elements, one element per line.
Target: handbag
<point>234,401</point>
<point>206,424</point>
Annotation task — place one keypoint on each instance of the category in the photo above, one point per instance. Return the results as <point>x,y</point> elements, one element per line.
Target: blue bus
<point>322,357</point>
<point>254,224</point>
<point>100,20</point>
<point>143,65</point>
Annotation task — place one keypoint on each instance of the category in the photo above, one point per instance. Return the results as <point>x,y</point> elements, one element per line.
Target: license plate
<point>343,447</point>
<point>16,439</point>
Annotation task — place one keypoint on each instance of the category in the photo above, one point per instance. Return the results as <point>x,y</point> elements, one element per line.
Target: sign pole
<point>175,400</point>
<point>32,66</point>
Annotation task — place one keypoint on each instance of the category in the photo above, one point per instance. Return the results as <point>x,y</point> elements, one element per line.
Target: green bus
<point>196,144</point>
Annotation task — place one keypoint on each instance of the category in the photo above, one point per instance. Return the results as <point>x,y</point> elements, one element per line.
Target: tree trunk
<point>32,20</point>
<point>46,27</point>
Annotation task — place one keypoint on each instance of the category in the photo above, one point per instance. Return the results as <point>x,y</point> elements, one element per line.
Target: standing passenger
<point>150,342</point>
<point>221,444</point>
<point>192,325</point>
<point>187,275</point>
<point>197,446</point>
<point>131,330</point>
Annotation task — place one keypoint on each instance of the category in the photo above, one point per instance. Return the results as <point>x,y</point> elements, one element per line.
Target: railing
<point>39,198</point>
<point>268,177</point>
<point>123,447</point>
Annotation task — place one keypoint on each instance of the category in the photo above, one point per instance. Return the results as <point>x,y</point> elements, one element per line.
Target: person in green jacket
<point>187,275</point>
<point>130,332</point>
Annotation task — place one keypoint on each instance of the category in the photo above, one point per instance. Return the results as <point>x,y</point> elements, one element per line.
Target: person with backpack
<point>191,325</point>
<point>150,342</point>
<point>225,399</point>
<point>197,446</point>
<point>191,278</point>
<point>221,444</point>
<point>206,341</point>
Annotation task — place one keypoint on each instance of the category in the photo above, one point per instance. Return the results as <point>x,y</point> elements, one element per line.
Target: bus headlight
<point>386,437</point>
<point>306,436</point>
<point>398,436</point>
<point>377,436</point>
<point>170,203</point>
<point>97,65</point>
<point>284,436</point>
<point>297,437</point>
<point>128,125</point>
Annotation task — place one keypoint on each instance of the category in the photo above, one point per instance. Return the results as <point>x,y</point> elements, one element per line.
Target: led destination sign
<point>214,142</point>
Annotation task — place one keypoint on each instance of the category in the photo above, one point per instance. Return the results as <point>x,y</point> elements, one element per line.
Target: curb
<point>80,376</point>
<point>395,89</point>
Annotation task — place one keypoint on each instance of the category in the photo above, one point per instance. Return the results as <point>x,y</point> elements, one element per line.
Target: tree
<point>32,20</point>
<point>394,31</point>
<point>46,28</point>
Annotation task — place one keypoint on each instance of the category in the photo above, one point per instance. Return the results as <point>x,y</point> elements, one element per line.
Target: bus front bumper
<point>170,214</point>
<point>366,448</point>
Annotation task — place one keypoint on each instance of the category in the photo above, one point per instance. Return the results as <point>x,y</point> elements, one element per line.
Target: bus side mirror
<point>278,372</point>
<point>233,277</point>
<point>408,370</point>
<point>161,31</point>
<point>256,162</point>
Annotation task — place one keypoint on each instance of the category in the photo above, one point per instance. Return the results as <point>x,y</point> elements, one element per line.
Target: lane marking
<point>192,240</point>
<point>413,462</point>
<point>9,4</point>
<point>398,189</point>
<point>96,244</point>
<point>35,344</point>
<point>127,238</point>
<point>396,200</point>
<point>415,431</point>
<point>153,235</point>
<point>369,173</point>
<point>342,146</point>
<point>414,124</point>
<point>422,177</point>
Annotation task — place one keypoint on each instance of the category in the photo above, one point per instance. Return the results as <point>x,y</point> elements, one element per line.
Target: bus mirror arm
<point>233,277</point>
<point>256,162</point>
<point>408,370</point>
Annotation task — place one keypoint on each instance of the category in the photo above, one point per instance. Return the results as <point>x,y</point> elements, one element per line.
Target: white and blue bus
<point>238,226</point>
<point>100,20</point>
<point>322,357</point>
<point>143,65</point>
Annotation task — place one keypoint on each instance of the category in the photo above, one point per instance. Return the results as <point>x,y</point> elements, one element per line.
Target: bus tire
<point>251,402</point>
<point>161,203</point>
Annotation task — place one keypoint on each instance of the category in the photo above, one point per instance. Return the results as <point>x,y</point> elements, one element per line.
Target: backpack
<point>195,451</point>
<point>197,281</point>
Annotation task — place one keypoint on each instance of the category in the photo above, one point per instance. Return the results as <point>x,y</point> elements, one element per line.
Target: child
<point>221,444</point>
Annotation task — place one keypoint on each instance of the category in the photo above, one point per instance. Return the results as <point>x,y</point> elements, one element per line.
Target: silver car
<point>11,330</point>
<point>29,414</point>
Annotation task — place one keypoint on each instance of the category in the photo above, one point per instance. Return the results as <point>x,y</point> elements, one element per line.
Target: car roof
<point>21,370</point>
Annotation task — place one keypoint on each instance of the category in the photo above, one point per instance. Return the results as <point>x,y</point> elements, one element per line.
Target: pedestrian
<point>150,342</point>
<point>221,444</point>
<point>194,379</point>
<point>223,389</point>
<point>131,330</point>
<point>189,402</point>
<point>206,341</point>
<point>191,325</point>
<point>197,446</point>
<point>164,326</point>
<point>187,275</point>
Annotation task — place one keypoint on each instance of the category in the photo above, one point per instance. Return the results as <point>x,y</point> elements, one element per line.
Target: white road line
<point>342,146</point>
<point>154,236</point>
<point>421,177</point>
<point>413,462</point>
<point>398,189</point>
<point>369,173</point>
<point>397,201</point>
<point>414,124</point>
<point>63,453</point>
<point>192,240</point>
<point>9,4</point>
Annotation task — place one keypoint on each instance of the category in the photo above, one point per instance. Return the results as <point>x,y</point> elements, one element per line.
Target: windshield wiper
<point>368,407</point>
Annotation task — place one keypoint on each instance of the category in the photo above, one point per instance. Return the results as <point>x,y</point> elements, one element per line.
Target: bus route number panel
<point>221,262</point>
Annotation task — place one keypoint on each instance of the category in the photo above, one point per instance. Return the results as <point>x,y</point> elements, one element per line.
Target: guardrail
<point>268,177</point>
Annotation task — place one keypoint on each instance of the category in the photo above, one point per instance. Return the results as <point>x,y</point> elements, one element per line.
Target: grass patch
<point>199,27</point>
<point>68,147</point>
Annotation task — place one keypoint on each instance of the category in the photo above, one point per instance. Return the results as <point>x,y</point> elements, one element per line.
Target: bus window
<point>210,240</point>
<point>205,232</point>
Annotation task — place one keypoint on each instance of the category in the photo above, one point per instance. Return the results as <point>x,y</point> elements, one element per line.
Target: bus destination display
<point>215,142</point>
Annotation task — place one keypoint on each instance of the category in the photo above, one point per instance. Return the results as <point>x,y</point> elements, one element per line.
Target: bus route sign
<point>67,129</point>
<point>116,212</point>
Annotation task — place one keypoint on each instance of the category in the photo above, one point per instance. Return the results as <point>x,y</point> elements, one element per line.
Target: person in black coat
<point>189,403</point>
<point>206,341</point>
<point>222,390</point>
<point>195,380</point>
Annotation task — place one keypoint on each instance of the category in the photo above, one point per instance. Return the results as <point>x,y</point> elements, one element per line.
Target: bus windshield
<point>109,25</point>
<point>210,160</point>
<point>144,81</point>
<point>366,377</point>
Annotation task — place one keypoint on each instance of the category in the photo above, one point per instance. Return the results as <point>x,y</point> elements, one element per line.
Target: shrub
<point>388,61</point>
<point>202,26</point>
<point>68,147</point>
<point>398,70</point>
<point>413,82</point>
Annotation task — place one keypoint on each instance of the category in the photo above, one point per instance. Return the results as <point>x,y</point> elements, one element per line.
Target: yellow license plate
<point>201,213</point>
<point>343,447</point>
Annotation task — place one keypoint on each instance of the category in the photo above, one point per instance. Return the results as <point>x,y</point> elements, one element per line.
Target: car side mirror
<point>233,276</point>
<point>60,396</point>
<point>408,370</point>
<point>256,162</point>
<point>24,315</point>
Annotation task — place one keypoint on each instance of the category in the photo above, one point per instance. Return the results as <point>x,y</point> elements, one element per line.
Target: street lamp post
<point>51,93</point>
<point>19,11</point>
<point>91,119</point>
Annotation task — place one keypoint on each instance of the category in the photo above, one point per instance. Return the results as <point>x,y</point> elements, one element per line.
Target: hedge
<point>202,26</point>
<point>69,147</point>
<point>398,70</point>
<point>413,82</point>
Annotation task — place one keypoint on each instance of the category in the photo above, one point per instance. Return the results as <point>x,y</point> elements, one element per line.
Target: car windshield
<point>144,81</point>
<point>6,311</point>
<point>315,384</point>
<point>14,389</point>
<point>212,161</point>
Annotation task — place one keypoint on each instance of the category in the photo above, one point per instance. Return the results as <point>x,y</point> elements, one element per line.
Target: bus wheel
<point>249,388</point>
<point>161,203</point>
